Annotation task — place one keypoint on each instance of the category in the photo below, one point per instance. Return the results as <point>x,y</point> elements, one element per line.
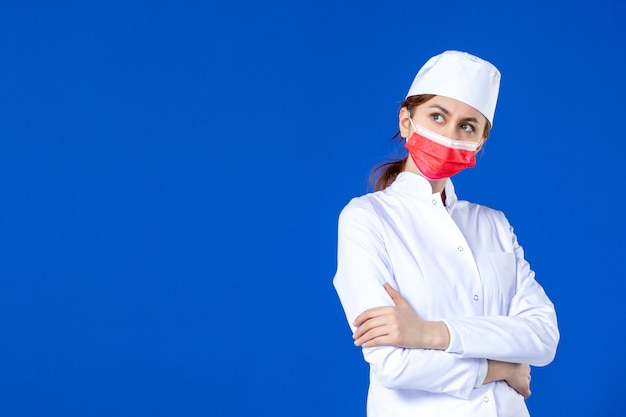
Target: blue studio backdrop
<point>171,173</point>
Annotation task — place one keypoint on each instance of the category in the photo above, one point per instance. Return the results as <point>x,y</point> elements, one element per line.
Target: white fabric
<point>455,347</point>
<point>461,264</point>
<point>460,76</point>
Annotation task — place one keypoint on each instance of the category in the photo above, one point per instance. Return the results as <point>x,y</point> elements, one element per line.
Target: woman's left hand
<point>398,326</point>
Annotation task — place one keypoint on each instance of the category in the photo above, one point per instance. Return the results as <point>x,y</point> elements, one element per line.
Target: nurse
<point>436,290</point>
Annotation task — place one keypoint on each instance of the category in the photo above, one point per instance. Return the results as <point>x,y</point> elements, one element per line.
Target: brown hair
<point>385,174</point>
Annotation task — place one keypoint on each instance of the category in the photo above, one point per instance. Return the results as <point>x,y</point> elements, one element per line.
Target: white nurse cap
<point>460,76</point>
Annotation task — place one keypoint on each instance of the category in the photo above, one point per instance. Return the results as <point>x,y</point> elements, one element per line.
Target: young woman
<point>436,290</point>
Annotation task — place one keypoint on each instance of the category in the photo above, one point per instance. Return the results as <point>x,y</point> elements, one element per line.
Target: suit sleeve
<point>527,334</point>
<point>363,266</point>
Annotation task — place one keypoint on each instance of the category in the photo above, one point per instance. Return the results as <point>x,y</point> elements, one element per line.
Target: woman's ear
<point>403,122</point>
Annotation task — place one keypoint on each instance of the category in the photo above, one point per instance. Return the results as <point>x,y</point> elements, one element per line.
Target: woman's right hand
<point>517,375</point>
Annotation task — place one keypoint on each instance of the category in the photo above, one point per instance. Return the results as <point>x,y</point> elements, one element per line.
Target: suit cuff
<point>482,373</point>
<point>455,340</point>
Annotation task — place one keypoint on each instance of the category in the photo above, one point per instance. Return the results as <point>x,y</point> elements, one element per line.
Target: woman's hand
<point>517,375</point>
<point>398,326</point>
<point>519,379</point>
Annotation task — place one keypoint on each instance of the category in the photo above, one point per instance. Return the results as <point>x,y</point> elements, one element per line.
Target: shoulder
<point>364,212</point>
<point>359,208</point>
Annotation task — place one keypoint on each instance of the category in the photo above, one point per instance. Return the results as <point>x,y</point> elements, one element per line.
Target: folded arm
<point>363,269</point>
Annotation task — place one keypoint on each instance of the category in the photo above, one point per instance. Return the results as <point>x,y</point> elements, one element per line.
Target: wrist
<point>497,371</point>
<point>437,335</point>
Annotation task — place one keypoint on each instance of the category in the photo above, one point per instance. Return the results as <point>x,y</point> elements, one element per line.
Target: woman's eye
<point>437,117</point>
<point>467,128</point>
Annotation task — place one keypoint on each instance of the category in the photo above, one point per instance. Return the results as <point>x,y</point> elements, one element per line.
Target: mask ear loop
<point>412,124</point>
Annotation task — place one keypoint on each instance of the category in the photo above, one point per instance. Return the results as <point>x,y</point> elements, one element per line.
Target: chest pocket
<point>504,267</point>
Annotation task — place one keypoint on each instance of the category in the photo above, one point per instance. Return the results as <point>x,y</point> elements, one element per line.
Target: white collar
<point>416,185</point>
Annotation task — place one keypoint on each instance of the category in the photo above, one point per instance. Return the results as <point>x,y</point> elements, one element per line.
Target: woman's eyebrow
<point>443,109</point>
<point>471,119</point>
<point>447,113</point>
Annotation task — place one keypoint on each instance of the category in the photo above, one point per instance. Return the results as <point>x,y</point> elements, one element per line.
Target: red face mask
<point>438,157</point>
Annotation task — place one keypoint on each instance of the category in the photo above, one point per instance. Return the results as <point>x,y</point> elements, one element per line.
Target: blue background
<point>171,173</point>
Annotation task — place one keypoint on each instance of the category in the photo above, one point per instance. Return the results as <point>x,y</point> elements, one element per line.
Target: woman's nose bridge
<point>450,130</point>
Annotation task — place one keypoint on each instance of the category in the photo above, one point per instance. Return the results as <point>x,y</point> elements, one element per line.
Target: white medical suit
<point>459,263</point>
